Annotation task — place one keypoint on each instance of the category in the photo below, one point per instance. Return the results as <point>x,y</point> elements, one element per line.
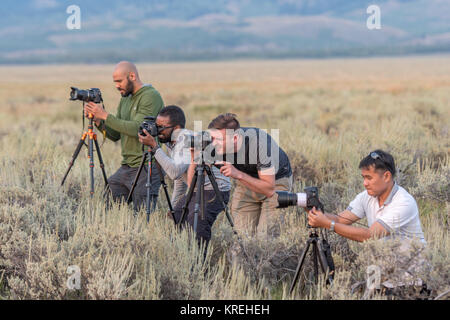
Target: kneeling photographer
<point>391,213</point>
<point>390,210</point>
<point>176,163</point>
<point>138,101</point>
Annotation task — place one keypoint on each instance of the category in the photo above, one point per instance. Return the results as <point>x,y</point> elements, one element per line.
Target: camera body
<point>149,124</point>
<point>198,141</point>
<point>312,198</point>
<point>307,200</point>
<point>93,94</point>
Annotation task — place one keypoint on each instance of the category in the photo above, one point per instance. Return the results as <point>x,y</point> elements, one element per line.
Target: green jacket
<point>125,124</point>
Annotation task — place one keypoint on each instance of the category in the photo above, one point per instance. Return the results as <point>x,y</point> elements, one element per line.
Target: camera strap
<point>326,249</point>
<point>103,129</point>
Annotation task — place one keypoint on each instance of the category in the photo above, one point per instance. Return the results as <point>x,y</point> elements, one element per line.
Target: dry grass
<point>330,113</point>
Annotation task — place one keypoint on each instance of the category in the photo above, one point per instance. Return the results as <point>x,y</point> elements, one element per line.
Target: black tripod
<point>149,182</point>
<point>92,139</point>
<point>199,180</point>
<point>321,255</point>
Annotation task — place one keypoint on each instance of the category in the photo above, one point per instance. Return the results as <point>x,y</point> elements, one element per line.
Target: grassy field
<point>330,114</point>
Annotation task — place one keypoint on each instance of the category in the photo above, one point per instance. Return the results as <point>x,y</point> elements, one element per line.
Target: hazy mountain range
<point>34,31</point>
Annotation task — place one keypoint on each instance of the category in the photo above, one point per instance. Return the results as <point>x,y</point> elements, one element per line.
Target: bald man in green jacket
<point>138,101</point>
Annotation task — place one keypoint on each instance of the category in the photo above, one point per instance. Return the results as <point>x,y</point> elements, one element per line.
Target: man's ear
<point>387,175</point>
<point>132,76</point>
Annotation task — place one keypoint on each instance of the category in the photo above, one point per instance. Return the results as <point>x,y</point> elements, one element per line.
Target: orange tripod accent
<point>92,140</point>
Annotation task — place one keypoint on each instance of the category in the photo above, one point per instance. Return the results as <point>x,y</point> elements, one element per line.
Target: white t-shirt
<point>399,214</point>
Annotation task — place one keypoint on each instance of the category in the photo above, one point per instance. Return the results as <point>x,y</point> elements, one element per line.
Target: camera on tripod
<point>308,199</point>
<point>321,250</point>
<point>89,95</point>
<point>149,124</point>
<point>93,94</point>
<point>198,141</point>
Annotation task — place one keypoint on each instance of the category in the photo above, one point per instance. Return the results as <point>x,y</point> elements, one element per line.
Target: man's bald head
<point>126,78</point>
<point>125,68</point>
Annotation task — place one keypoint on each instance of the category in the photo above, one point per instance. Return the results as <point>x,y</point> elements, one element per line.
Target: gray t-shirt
<point>176,163</point>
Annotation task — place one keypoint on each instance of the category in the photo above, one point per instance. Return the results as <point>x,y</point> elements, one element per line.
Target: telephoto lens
<point>287,199</point>
<point>307,200</point>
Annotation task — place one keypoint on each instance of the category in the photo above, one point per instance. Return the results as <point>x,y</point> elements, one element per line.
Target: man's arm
<point>345,217</point>
<point>317,219</point>
<point>194,161</point>
<point>110,133</point>
<point>179,189</point>
<point>176,162</point>
<point>97,110</point>
<point>265,183</point>
<point>173,167</point>
<point>149,105</point>
<point>190,173</point>
<point>360,234</point>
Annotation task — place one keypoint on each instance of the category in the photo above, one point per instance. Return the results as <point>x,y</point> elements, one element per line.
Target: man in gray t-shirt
<point>390,210</point>
<point>171,122</point>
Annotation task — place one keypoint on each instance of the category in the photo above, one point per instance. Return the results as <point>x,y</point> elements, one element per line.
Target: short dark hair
<point>175,114</point>
<point>381,160</point>
<point>225,121</point>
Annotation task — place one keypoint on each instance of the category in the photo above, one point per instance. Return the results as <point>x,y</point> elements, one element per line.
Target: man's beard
<point>128,89</point>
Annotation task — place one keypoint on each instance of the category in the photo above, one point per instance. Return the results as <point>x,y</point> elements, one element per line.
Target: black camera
<point>149,124</point>
<point>93,94</point>
<point>199,141</point>
<point>307,200</point>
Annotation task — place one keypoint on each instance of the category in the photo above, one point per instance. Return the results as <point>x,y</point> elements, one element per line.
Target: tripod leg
<point>219,196</point>
<point>188,198</point>
<point>315,257</point>
<point>91,163</point>
<point>202,198</point>
<point>300,266</point>
<point>328,260</point>
<point>321,258</point>
<point>74,157</point>
<point>327,269</point>
<point>148,186</point>
<point>198,195</point>
<point>227,214</point>
<point>163,183</point>
<point>133,186</point>
<point>100,159</point>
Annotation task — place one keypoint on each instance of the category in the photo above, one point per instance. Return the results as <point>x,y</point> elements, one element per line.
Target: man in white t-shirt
<point>390,210</point>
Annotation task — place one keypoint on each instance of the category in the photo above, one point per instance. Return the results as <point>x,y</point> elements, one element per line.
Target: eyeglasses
<point>161,129</point>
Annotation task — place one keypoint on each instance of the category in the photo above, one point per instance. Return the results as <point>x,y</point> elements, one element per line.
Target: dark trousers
<point>212,209</point>
<point>121,182</point>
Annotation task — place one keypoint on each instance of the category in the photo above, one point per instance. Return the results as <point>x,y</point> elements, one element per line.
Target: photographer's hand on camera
<point>317,219</point>
<point>147,140</point>
<point>96,110</point>
<point>228,170</point>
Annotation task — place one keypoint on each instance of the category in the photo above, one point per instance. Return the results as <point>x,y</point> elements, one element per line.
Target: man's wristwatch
<point>332,225</point>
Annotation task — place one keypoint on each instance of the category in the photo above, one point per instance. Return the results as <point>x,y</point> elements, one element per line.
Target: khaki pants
<point>255,213</point>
